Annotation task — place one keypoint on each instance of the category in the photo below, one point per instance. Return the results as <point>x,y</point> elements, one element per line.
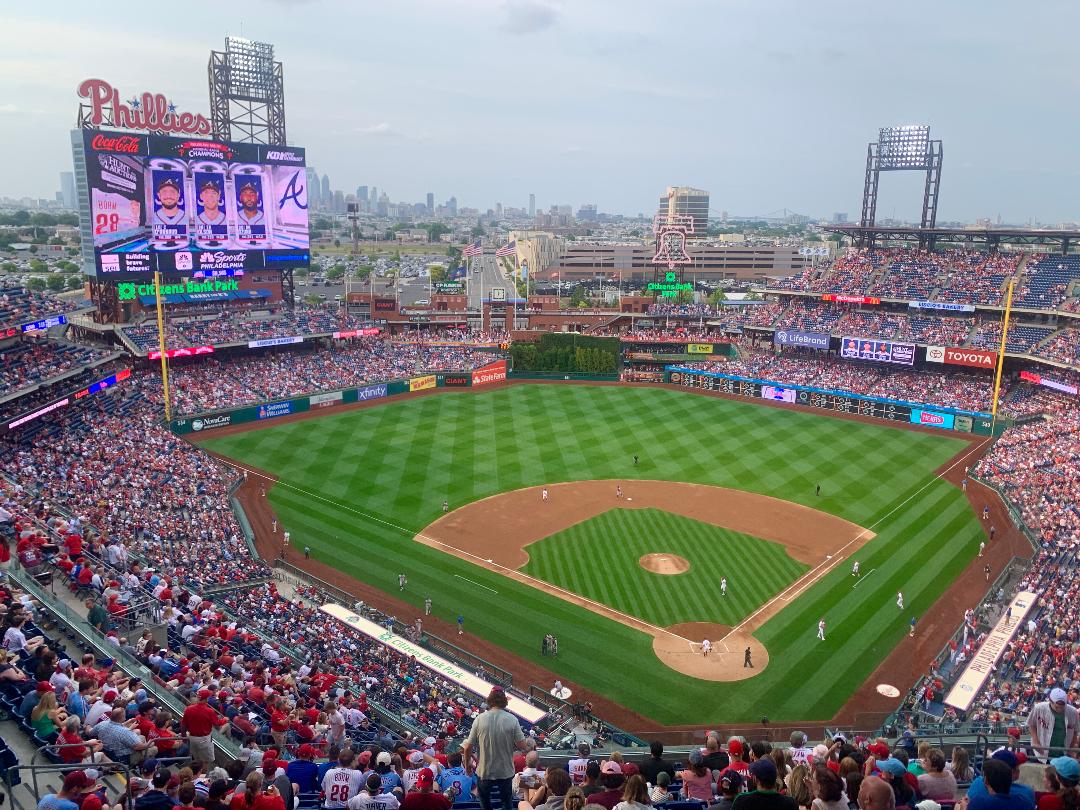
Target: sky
<point>767,104</point>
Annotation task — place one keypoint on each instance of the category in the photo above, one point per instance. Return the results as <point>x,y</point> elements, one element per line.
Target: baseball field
<point>623,561</point>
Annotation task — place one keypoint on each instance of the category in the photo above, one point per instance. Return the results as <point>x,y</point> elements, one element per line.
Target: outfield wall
<point>917,413</point>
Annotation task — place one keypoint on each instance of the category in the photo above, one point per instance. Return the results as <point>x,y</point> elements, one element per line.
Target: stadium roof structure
<point>989,238</point>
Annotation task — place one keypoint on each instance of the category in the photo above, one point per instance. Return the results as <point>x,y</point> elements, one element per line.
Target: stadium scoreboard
<point>189,206</point>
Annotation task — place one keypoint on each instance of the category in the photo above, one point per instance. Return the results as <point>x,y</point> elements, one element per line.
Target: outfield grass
<point>598,559</point>
<point>357,485</point>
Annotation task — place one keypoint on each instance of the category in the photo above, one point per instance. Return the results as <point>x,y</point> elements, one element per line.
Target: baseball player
<point>706,647</point>
<point>982,546</point>
<point>544,494</point>
<point>900,599</point>
<point>821,629</point>
<point>460,625</point>
<point>249,205</point>
<point>855,568</point>
<point>401,580</point>
<point>210,198</point>
<point>723,586</point>
<point>427,606</point>
<point>168,197</point>
<point>746,659</point>
<point>618,491</point>
<point>911,633</point>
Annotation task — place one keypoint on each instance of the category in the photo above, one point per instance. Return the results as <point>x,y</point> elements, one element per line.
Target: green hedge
<point>569,353</point>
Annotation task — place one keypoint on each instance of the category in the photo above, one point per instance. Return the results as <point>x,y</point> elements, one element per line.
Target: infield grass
<point>356,486</point>
<point>598,559</point>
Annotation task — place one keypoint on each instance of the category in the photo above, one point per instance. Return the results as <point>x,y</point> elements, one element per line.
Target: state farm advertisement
<point>491,373</point>
<point>973,358</point>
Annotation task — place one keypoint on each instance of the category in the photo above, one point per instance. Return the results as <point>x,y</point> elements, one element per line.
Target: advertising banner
<point>272,409</point>
<point>491,373</point>
<point>811,340</point>
<point>192,351</point>
<point>41,326</point>
<point>935,354</point>
<point>371,392</point>
<point>984,661</point>
<point>881,351</point>
<point>281,341</point>
<point>777,393</point>
<point>973,358</point>
<point>940,305</point>
<point>211,422</point>
<point>1038,379</point>
<point>457,380</point>
<point>478,686</point>
<point>385,305</point>
<point>422,383</point>
<point>326,400</point>
<point>851,299</point>
<point>944,421</point>
<point>699,348</point>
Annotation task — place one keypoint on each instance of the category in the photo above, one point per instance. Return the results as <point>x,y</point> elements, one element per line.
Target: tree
<point>301,271</point>
<point>753,295</point>
<point>435,230</point>
<point>38,266</point>
<point>37,284</point>
<point>312,300</point>
<point>453,253</point>
<point>577,295</point>
<point>33,248</point>
<point>9,267</point>
<point>55,282</point>
<point>478,230</point>
<point>74,281</point>
<point>717,296</point>
<point>364,271</point>
<point>337,243</point>
<point>337,271</point>
<point>439,273</point>
<point>684,297</point>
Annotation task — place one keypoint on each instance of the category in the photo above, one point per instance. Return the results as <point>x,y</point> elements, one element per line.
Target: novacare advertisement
<point>478,686</point>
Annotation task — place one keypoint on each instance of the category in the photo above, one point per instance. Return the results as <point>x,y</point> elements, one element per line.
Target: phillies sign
<point>973,358</point>
<point>150,111</point>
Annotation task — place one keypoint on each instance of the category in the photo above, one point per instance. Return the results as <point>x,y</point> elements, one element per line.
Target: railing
<point>617,736</point>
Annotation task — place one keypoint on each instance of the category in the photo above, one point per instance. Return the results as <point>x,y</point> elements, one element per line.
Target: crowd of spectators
<point>19,305</point>
<point>909,274</point>
<point>977,278</point>
<point>810,315</point>
<point>1063,347</point>
<point>212,383</point>
<point>452,336</point>
<point>34,360</point>
<point>1020,340</point>
<point>1045,282</point>
<point>692,310</point>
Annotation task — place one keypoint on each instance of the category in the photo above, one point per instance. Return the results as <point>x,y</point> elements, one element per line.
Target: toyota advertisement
<point>972,358</point>
<point>192,204</point>
<point>881,351</point>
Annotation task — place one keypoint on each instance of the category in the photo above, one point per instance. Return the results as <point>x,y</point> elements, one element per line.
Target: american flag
<point>507,250</point>
<point>472,250</point>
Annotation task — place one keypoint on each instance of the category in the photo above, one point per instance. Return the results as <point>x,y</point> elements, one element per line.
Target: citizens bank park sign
<point>152,112</point>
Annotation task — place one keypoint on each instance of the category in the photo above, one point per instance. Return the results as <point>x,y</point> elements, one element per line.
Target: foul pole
<point>161,345</point>
<point>1001,355</point>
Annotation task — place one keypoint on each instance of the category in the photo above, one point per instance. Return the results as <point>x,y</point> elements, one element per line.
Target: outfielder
<point>821,629</point>
<point>855,568</point>
<point>900,599</point>
<point>723,586</point>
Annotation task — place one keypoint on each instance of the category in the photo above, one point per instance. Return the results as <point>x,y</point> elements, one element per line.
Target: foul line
<point>868,573</point>
<point>823,568</point>
<point>477,584</point>
<point>569,596</point>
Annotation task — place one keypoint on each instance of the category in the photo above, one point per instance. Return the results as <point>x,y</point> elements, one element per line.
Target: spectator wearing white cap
<point>1054,725</point>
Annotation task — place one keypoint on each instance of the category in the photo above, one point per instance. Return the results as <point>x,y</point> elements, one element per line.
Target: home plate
<point>888,690</point>
<point>489,560</point>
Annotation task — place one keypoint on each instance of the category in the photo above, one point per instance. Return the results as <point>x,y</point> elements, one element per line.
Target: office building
<point>67,189</point>
<point>451,206</point>
<point>362,194</point>
<point>430,203</point>
<point>314,194</point>
<point>587,213</point>
<point>326,193</point>
<point>532,205</point>
<point>686,201</point>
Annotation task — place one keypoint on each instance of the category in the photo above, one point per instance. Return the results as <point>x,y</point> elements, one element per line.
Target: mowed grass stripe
<point>400,460</point>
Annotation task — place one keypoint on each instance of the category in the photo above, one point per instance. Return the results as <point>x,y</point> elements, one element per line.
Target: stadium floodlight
<point>904,147</point>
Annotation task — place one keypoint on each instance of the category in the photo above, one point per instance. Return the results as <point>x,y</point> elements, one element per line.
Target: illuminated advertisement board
<point>881,351</point>
<point>192,205</point>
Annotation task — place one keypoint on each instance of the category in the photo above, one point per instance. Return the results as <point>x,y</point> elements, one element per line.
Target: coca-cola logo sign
<point>152,112</point>
<point>124,144</point>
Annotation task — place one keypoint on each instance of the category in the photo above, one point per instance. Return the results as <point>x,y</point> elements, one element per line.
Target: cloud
<point>380,130</point>
<point>9,108</point>
<point>527,17</point>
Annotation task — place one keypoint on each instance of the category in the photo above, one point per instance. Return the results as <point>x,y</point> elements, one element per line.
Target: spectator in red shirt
<point>425,798</point>
<point>253,797</point>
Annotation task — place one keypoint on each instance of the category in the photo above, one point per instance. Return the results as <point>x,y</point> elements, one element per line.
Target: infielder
<point>723,586</point>
<point>900,599</point>
<point>821,629</point>
<point>543,494</point>
<point>706,646</point>
<point>855,568</point>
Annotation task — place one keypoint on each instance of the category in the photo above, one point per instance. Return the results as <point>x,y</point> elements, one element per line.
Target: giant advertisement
<point>881,351</point>
<point>191,205</point>
<point>793,337</point>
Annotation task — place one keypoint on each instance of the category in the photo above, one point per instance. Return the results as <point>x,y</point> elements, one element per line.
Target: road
<point>485,275</point>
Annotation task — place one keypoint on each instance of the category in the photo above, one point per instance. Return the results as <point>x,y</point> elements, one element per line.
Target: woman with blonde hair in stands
<point>635,795</point>
<point>798,784</point>
<point>47,717</point>
<point>848,766</point>
<point>575,799</point>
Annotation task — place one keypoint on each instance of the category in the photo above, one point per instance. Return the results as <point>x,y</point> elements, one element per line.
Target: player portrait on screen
<point>210,209</point>
<point>852,348</point>
<point>250,218</point>
<point>169,209</point>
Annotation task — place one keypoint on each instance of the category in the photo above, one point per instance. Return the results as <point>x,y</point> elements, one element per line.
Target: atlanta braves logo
<point>292,192</point>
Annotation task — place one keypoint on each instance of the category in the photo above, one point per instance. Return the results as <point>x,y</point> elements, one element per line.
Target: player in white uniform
<point>900,599</point>
<point>706,647</point>
<point>723,586</point>
<point>342,782</point>
<point>210,197</point>
<point>855,568</point>
<point>821,629</point>
<point>168,197</point>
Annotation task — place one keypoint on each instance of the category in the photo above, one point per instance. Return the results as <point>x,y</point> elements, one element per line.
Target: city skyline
<point>492,101</point>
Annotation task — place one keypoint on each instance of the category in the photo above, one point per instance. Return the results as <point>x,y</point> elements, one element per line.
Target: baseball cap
<point>892,766</point>
<point>415,758</point>
<point>763,769</point>
<point>384,758</point>
<point>731,780</point>
<point>77,780</point>
<point>110,695</point>
<point>269,754</point>
<point>429,741</point>
<point>1057,695</point>
<point>91,802</point>
<point>204,693</point>
<point>928,804</point>
<point>879,750</point>
<point>1067,768</point>
<point>735,747</point>
<point>425,778</point>
<point>1006,756</point>
<point>43,687</point>
<point>308,752</point>
<point>610,766</point>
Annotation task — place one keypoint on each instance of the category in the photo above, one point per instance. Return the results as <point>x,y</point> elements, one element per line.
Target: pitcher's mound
<point>680,648</point>
<point>664,563</point>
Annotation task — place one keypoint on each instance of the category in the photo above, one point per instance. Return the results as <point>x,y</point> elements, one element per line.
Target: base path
<point>481,532</point>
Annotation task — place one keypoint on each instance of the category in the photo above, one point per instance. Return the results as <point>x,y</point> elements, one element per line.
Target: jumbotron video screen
<point>194,205</point>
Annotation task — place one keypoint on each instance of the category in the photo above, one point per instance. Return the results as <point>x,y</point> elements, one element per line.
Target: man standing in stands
<point>495,735</point>
<point>1054,725</point>
<point>199,721</point>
